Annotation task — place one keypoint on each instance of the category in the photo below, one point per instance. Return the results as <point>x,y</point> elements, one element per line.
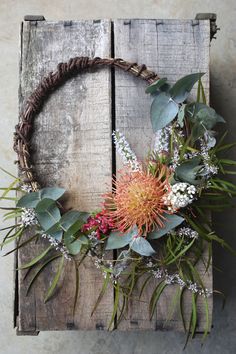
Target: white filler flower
<point>28,217</point>
<point>124,149</point>
<point>181,195</point>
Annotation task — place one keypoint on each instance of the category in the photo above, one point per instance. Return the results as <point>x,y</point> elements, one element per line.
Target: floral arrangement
<point>156,217</point>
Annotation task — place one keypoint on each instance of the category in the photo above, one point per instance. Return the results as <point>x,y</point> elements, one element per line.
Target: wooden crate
<point>73,147</point>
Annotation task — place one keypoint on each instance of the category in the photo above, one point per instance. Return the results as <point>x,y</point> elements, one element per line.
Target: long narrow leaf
<point>76,287</point>
<point>155,297</point>
<point>21,245</point>
<point>9,238</point>
<point>115,307</point>
<point>39,270</point>
<point>55,280</point>
<point>194,315</point>
<point>9,188</point>
<point>8,173</point>
<point>102,292</point>
<point>207,326</point>
<point>36,259</point>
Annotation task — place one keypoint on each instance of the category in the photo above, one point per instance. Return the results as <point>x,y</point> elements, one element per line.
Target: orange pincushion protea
<point>139,199</point>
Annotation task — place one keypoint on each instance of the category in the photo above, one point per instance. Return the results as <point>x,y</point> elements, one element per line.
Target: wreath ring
<point>48,84</point>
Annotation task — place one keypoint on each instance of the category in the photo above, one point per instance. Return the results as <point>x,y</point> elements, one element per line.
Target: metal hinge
<point>212,18</point>
<point>34,18</point>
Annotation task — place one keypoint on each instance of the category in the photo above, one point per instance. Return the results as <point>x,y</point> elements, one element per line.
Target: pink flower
<point>101,223</point>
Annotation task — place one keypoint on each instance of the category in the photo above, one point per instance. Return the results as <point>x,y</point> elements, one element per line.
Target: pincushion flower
<point>139,199</point>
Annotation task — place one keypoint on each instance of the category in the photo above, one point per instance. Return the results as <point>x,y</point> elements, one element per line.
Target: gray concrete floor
<point>222,340</point>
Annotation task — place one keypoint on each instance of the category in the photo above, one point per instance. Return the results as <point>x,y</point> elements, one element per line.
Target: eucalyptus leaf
<point>141,246</point>
<point>29,200</point>
<point>71,217</point>
<point>118,240</point>
<point>163,111</point>
<point>49,217</point>
<point>73,247</point>
<point>52,193</point>
<point>181,114</point>
<point>74,228</point>
<point>181,89</point>
<point>203,117</point>
<point>82,239</point>
<point>156,85</point>
<point>188,171</point>
<point>44,204</point>
<point>74,243</point>
<point>172,221</point>
<point>208,117</point>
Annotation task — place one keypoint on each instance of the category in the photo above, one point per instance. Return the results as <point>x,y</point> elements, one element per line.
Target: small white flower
<point>28,217</point>
<point>171,279</point>
<point>26,188</point>
<point>187,232</point>
<point>161,142</point>
<point>181,195</point>
<point>123,147</point>
<point>57,245</point>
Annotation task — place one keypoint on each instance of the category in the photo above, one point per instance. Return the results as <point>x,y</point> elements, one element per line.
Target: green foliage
<point>141,246</point>
<point>55,280</point>
<point>54,193</point>
<point>163,111</point>
<point>181,89</point>
<point>155,297</point>
<point>155,86</point>
<point>44,205</point>
<point>36,259</point>
<point>49,217</point>
<point>73,246</point>
<point>181,115</point>
<point>189,171</point>
<point>203,118</point>
<point>165,106</point>
<point>31,200</point>
<point>39,270</point>
<point>118,240</point>
<point>171,221</point>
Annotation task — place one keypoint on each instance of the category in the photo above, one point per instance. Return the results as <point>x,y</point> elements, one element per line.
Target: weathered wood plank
<point>172,48</point>
<point>72,144</point>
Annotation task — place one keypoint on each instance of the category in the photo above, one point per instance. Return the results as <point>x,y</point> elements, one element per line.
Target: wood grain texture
<point>172,48</point>
<point>72,144</point>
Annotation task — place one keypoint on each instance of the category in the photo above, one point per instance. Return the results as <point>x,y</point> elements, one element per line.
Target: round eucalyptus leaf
<point>52,192</point>
<point>117,239</point>
<point>49,217</point>
<point>141,246</point>
<point>188,171</point>
<point>156,85</point>
<point>71,217</point>
<point>163,111</point>
<point>29,200</point>
<point>172,221</point>
<point>73,247</point>
<point>44,204</point>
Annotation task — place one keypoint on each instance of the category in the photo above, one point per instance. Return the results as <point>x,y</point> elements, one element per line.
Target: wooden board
<point>172,48</point>
<point>72,143</point>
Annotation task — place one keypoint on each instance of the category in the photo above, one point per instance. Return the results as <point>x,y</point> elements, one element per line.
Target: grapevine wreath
<point>156,214</point>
